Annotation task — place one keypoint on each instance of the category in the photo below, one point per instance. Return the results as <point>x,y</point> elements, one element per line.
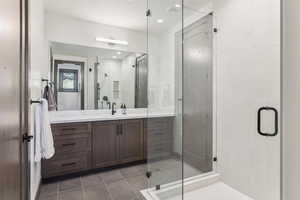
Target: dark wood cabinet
<point>131,140</point>
<point>72,143</point>
<point>105,141</point>
<point>67,163</point>
<point>117,142</point>
<point>70,128</point>
<point>159,138</point>
<point>91,145</point>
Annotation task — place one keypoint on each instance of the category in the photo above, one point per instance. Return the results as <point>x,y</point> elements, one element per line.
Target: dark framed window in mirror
<point>68,80</point>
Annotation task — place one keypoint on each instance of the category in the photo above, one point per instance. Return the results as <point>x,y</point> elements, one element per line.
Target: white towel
<point>44,145</point>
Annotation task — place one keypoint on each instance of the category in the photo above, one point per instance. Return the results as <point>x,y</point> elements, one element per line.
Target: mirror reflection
<point>96,78</point>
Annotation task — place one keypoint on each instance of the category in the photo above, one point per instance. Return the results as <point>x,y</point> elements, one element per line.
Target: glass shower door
<point>216,66</point>
<point>247,79</point>
<point>230,80</point>
<point>164,139</point>
<point>197,90</point>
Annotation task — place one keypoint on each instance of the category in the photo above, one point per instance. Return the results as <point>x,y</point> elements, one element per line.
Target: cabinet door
<point>131,141</point>
<point>105,144</point>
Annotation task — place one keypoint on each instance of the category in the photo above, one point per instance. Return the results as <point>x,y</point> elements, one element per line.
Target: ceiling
<point>83,51</point>
<point>128,14</point>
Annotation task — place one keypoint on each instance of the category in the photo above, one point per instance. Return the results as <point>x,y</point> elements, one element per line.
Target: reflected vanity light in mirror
<point>119,52</point>
<point>112,41</point>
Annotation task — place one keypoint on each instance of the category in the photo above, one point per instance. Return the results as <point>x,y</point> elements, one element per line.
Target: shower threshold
<point>207,186</point>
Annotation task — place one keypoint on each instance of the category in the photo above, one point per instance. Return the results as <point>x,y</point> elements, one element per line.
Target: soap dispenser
<point>123,107</point>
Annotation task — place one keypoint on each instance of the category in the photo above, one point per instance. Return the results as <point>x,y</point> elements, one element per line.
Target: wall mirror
<point>95,78</point>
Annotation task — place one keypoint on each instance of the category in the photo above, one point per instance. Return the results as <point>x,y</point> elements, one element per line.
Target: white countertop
<point>58,117</point>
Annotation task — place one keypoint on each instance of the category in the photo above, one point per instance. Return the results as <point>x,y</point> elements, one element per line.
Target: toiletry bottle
<point>123,107</point>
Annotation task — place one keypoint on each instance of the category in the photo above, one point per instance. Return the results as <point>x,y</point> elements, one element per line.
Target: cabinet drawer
<point>160,126</point>
<point>72,143</point>
<point>159,134</point>
<point>158,130</point>
<point>162,147</point>
<point>66,164</point>
<point>158,123</point>
<point>71,128</point>
<point>158,141</point>
<point>159,150</point>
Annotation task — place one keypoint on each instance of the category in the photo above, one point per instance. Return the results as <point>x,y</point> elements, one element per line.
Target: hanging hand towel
<point>44,145</point>
<point>37,133</point>
<point>49,96</point>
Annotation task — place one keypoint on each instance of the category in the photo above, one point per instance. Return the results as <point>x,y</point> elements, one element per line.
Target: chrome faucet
<point>113,108</point>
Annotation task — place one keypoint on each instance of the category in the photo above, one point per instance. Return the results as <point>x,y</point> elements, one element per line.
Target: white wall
<point>128,81</point>
<point>74,31</point>
<point>291,100</point>
<point>39,69</point>
<point>113,69</point>
<point>248,77</point>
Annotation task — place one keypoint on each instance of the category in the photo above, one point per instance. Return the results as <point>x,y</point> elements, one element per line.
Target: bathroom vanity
<point>89,140</point>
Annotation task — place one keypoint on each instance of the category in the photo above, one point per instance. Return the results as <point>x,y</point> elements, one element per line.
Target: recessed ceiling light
<point>160,21</point>
<point>114,57</point>
<point>119,52</point>
<point>177,5</point>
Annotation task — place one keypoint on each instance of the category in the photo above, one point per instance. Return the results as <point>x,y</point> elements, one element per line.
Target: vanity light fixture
<point>160,21</point>
<point>114,57</point>
<point>111,41</point>
<point>119,52</point>
<point>177,5</point>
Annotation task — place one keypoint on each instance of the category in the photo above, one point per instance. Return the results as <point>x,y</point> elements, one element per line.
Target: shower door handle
<point>260,110</point>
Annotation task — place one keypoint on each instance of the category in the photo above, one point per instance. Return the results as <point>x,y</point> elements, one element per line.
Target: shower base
<point>206,187</point>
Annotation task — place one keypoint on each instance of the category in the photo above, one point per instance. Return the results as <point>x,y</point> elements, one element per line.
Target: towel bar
<point>47,81</point>
<point>44,80</point>
<point>35,101</point>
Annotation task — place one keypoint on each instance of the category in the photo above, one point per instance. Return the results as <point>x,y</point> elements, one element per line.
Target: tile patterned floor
<point>119,184</point>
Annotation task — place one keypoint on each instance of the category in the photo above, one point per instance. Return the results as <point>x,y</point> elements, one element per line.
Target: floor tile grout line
<point>125,178</point>
<point>131,187</point>
<point>106,188</point>
<point>57,191</point>
<point>82,188</point>
<point>42,194</point>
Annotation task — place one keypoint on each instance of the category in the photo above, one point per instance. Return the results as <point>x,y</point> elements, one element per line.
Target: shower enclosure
<point>214,70</point>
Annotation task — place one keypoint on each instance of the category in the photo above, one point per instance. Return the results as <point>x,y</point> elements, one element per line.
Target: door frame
<point>25,106</point>
<point>82,65</point>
